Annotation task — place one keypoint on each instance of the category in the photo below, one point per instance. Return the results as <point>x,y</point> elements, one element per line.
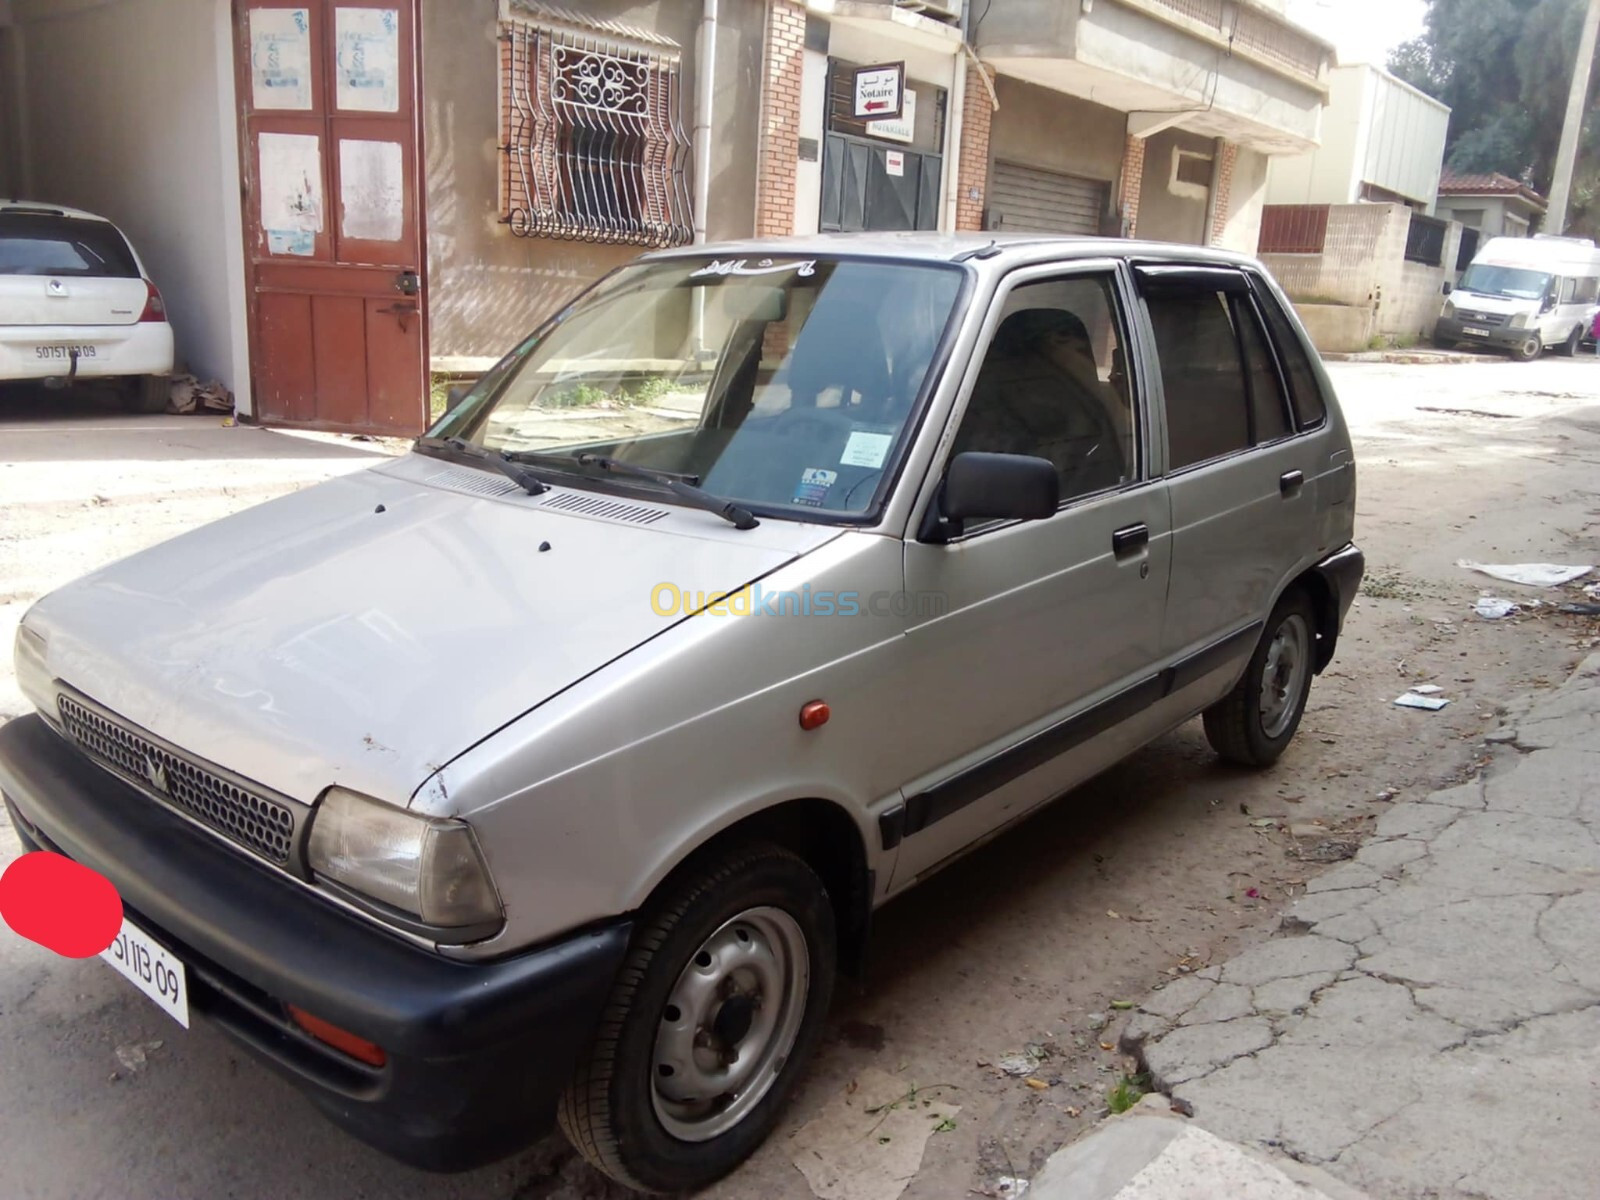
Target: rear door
<point>333,237</point>
<point>1243,485</point>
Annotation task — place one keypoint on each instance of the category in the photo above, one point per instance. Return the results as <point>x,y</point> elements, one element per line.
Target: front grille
<point>1482,318</point>
<point>252,820</point>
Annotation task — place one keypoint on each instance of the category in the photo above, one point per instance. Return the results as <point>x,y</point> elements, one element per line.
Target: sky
<point>1363,30</point>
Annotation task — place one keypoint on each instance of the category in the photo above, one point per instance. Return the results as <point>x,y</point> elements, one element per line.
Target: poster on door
<point>280,59</point>
<point>367,42</point>
<point>372,198</point>
<point>290,176</point>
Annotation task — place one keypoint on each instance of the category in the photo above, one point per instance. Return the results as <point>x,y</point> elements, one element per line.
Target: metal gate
<point>867,185</point>
<point>1028,200</point>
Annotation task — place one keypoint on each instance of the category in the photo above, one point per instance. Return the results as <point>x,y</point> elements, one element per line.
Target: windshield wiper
<point>499,460</point>
<point>682,486</point>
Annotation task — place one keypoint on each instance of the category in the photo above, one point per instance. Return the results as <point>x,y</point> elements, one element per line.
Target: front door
<point>1049,630</point>
<point>333,236</point>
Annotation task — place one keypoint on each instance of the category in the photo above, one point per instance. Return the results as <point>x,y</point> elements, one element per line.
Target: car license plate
<point>153,970</point>
<point>64,353</point>
<point>1472,332</point>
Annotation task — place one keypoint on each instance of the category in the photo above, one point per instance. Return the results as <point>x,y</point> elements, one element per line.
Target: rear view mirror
<point>999,487</point>
<point>1447,288</point>
<point>750,302</point>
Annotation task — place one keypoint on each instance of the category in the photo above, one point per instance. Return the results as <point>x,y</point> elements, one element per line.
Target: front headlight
<point>1520,321</point>
<point>427,868</point>
<point>33,677</point>
<point>1449,308</point>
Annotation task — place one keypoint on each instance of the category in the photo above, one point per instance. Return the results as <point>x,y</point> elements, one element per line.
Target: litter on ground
<point>1493,608</point>
<point>1412,700</point>
<point>1530,574</point>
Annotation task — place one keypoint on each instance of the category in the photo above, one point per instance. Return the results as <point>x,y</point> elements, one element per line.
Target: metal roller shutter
<point>1028,200</point>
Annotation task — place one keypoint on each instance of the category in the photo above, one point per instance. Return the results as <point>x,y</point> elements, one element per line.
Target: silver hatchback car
<point>556,767</point>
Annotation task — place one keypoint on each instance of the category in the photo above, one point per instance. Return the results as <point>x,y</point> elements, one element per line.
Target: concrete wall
<point>1242,231</point>
<point>1028,130</point>
<point>127,111</point>
<point>1336,328</point>
<point>1326,175</point>
<point>488,288</point>
<point>1498,217</point>
<point>1363,265</point>
<point>1168,211</point>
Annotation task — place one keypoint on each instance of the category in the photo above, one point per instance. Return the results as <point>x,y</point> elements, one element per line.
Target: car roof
<point>48,210</point>
<point>1005,248</point>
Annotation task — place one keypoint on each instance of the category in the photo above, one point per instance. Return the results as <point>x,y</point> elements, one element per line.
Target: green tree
<point>1503,67</point>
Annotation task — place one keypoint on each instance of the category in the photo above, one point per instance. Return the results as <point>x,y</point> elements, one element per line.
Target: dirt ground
<point>1160,866</point>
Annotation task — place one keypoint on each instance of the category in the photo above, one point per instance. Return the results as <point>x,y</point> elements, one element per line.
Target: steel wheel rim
<point>729,1024</point>
<point>1283,674</point>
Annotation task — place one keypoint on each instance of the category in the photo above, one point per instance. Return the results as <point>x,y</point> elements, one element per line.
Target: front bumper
<point>477,1052</point>
<point>1453,329</point>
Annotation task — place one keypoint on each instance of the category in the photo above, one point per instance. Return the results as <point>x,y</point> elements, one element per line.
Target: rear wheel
<point>1528,349</point>
<point>1253,724</point>
<point>1569,348</point>
<point>715,1011</point>
<point>147,394</point>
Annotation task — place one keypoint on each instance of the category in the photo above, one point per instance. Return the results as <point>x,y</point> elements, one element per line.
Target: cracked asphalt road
<point>1426,1023</point>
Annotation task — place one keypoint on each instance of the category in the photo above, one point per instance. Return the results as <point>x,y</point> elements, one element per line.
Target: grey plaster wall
<point>1165,214</point>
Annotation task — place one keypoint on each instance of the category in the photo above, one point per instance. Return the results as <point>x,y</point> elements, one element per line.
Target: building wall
<point>1168,212</point>
<point>10,109</point>
<point>1326,175</point>
<point>127,111</point>
<point>1362,264</point>
<point>488,288</point>
<point>1029,125</point>
<point>1496,216</point>
<point>1242,229</point>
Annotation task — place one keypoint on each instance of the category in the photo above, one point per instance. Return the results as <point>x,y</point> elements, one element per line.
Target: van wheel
<point>147,394</point>
<point>1569,348</point>
<point>1253,724</point>
<point>1529,349</point>
<point>716,1009</point>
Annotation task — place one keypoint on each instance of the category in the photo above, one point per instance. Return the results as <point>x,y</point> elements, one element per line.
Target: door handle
<point>402,312</point>
<point>1125,543</point>
<point>1290,482</point>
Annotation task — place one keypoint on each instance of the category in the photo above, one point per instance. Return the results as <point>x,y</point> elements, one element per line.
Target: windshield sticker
<point>866,449</point>
<point>741,266</point>
<point>814,485</point>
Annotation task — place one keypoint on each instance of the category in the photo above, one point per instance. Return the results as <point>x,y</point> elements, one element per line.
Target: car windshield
<point>786,384</point>
<point>1510,282</point>
<point>43,244</point>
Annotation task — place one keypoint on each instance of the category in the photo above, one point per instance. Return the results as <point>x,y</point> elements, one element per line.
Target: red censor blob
<point>60,904</point>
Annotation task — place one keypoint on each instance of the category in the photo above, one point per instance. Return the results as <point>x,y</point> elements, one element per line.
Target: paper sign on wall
<point>290,182</point>
<point>368,41</point>
<point>280,58</point>
<point>371,190</point>
<point>894,162</point>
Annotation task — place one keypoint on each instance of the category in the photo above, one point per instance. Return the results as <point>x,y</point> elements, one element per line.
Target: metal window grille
<point>1425,240</point>
<point>593,147</point>
<point>1275,42</point>
<point>1207,12</point>
<point>1293,229</point>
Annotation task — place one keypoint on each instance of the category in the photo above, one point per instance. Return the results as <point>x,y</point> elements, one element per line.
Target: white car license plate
<point>1471,332</point>
<point>153,970</point>
<point>63,353</point>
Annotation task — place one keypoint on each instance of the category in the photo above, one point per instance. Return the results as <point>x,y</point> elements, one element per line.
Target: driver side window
<point>1054,385</point>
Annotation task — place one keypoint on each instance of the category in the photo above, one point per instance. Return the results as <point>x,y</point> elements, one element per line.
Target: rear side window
<point>1208,405</point>
<point>38,244</point>
<point>1305,394</point>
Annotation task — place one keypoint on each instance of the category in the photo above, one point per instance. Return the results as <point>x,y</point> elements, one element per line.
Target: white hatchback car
<point>76,303</point>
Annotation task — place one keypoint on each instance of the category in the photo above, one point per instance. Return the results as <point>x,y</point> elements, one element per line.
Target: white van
<point>1523,295</point>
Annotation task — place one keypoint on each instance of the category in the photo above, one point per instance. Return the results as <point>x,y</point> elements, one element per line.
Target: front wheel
<point>1528,349</point>
<point>716,1009</point>
<point>1253,724</point>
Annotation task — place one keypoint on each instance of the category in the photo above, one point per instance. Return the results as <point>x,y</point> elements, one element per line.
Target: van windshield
<point>787,384</point>
<point>1484,280</point>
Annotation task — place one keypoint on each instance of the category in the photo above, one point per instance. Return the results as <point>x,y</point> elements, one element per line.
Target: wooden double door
<point>328,102</point>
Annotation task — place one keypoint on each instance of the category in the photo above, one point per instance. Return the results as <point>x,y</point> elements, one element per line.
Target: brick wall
<point>1224,191</point>
<point>778,151</point>
<point>1128,186</point>
<point>972,179</point>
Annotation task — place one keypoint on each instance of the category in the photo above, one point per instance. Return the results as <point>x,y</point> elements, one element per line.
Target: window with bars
<point>592,146</point>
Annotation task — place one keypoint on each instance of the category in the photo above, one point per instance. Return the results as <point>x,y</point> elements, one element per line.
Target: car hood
<point>367,630</point>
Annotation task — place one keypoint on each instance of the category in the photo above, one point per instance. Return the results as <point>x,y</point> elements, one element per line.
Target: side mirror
<point>455,396</point>
<point>997,487</point>
<point>1447,288</point>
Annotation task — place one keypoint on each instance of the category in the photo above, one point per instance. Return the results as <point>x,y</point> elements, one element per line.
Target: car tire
<point>1253,724</point>
<point>1441,343</point>
<point>1528,349</point>
<point>738,955</point>
<point>147,394</point>
<point>1569,348</point>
